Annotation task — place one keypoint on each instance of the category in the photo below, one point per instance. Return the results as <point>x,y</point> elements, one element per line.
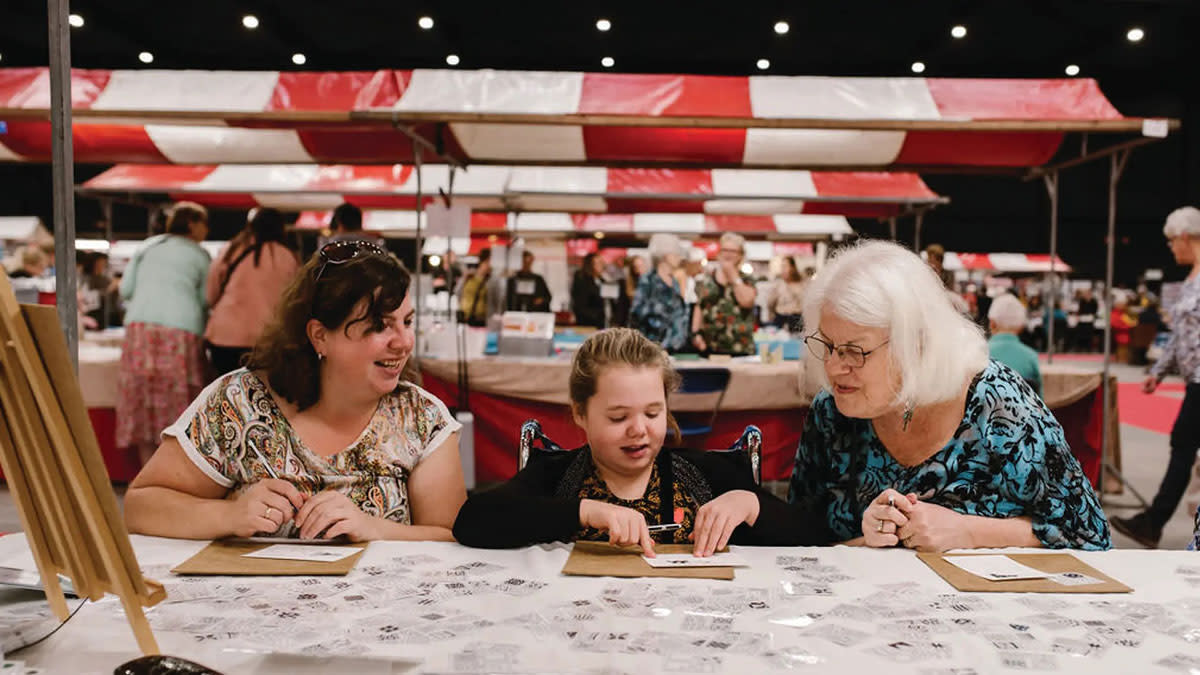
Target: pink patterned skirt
<point>162,370</point>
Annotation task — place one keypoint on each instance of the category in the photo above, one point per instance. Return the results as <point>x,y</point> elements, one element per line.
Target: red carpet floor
<point>1153,412</point>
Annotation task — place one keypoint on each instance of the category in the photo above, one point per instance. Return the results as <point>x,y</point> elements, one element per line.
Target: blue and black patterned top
<point>659,311</point>
<point>1008,458</point>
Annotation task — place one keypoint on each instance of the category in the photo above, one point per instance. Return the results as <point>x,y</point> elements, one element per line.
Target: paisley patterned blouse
<point>237,435</point>
<point>1008,458</point>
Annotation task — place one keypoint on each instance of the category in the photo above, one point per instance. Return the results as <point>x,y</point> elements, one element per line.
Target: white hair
<point>733,240</point>
<point>935,349</point>
<point>661,245</point>
<point>697,255</point>
<point>1181,221</point>
<point>1008,312</point>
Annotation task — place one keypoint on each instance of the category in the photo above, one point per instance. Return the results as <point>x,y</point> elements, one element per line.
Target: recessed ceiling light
<point>299,59</point>
<point>1135,34</point>
<point>763,64</point>
<point>958,32</point>
<point>782,27</point>
<point>1072,70</point>
<point>598,235</point>
<point>452,59</point>
<point>607,62</point>
<point>146,57</point>
<point>603,25</point>
<point>75,20</point>
<point>918,67</point>
<point>425,22</point>
<point>250,21</point>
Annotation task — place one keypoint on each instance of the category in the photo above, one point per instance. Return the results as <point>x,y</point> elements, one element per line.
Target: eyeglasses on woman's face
<point>849,354</point>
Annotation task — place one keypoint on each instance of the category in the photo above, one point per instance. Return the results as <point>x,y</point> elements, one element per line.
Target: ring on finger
<point>267,514</point>
<point>880,528</point>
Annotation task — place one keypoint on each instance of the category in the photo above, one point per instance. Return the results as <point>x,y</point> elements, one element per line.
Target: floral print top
<point>237,435</point>
<point>1182,353</point>
<point>726,326</point>
<point>659,311</point>
<point>1007,459</point>
<point>649,505</point>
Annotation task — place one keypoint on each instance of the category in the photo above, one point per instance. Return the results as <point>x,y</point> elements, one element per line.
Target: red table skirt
<point>498,423</point>
<point>122,464</point>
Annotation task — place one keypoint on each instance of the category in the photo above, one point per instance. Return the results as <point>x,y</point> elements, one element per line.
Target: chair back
<point>708,380</point>
<point>748,446</point>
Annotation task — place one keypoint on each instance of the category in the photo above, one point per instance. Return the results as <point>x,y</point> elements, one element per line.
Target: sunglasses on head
<point>338,252</point>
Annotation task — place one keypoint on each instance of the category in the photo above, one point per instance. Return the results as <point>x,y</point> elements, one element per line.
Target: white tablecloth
<point>447,608</point>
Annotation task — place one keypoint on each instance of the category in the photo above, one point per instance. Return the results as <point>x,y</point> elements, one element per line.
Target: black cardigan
<point>534,508</point>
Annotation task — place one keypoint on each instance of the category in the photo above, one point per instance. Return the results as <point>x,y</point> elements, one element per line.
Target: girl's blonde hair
<point>618,347</point>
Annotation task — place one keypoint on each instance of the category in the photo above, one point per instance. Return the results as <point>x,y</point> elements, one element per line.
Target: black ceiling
<point>1009,38</point>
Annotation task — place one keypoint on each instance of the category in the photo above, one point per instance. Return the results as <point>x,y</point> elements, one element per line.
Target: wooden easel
<point>56,474</point>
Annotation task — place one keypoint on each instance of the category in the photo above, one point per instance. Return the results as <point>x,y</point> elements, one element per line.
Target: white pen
<point>664,528</point>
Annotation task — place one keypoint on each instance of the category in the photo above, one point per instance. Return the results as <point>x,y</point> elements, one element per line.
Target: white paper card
<point>305,553</point>
<point>995,567</point>
<point>526,286</point>
<point>610,291</point>
<point>689,560</point>
<point>1154,128</point>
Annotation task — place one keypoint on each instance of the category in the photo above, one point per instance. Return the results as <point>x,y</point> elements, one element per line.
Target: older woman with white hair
<point>723,318</point>
<point>1182,356</point>
<point>1007,318</point>
<point>659,311</point>
<point>918,438</point>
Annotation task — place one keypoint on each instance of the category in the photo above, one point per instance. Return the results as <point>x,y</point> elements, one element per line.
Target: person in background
<point>473,300</point>
<point>723,319</point>
<point>918,439</point>
<point>346,224</point>
<point>527,290</point>
<point>1007,318</point>
<point>34,264</point>
<point>243,287</point>
<point>785,301</point>
<point>1085,327</point>
<point>1122,325</point>
<point>627,289</point>
<point>319,436</point>
<point>935,257</point>
<point>105,291</point>
<point>658,309</point>
<point>447,274</point>
<point>162,361</point>
<point>691,272</point>
<point>586,301</point>
<point>625,478</point>
<point>1182,356</point>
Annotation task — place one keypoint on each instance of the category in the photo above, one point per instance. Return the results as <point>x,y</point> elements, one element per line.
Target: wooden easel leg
<point>141,627</point>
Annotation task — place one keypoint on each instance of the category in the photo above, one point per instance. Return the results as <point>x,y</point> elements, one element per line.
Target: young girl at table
<point>320,436</point>
<point>624,480</point>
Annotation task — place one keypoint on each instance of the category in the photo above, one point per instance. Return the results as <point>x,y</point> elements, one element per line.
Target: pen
<point>664,528</point>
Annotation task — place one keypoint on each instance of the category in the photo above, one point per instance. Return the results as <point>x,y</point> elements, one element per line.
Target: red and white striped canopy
<point>523,117</point>
<point>404,223</point>
<point>497,188</point>
<point>1004,262</point>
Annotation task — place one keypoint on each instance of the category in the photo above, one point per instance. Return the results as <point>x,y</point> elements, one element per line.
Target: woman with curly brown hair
<point>320,435</point>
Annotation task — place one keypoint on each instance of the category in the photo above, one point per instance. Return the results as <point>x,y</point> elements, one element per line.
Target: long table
<point>445,608</point>
<point>507,391</point>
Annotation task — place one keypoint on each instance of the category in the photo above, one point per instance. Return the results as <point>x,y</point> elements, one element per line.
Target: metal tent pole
<point>107,206</point>
<point>1116,167</point>
<point>920,220</point>
<point>416,292</point>
<point>892,227</point>
<point>1051,181</point>
<point>63,170</point>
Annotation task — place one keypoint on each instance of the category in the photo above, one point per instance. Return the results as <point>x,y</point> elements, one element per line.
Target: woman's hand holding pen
<point>264,507</point>
<point>716,520</point>
<point>625,526</point>
<point>884,517</point>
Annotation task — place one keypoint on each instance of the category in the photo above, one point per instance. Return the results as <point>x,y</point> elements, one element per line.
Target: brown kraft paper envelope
<point>1055,563</point>
<point>226,559</point>
<point>600,559</point>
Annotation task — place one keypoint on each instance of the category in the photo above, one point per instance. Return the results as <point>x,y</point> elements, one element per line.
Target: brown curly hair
<point>284,352</point>
<point>617,347</point>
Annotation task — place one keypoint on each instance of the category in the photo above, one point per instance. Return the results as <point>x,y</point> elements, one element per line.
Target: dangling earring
<point>908,413</point>
<point>320,356</point>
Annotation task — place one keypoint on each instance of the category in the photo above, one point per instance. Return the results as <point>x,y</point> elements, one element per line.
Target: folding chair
<point>534,443</point>
<point>702,381</point>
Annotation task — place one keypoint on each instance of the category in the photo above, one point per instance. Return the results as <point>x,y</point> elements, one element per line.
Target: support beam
<point>919,220</point>
<point>64,174</point>
<point>1051,182</point>
<point>1116,167</point>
